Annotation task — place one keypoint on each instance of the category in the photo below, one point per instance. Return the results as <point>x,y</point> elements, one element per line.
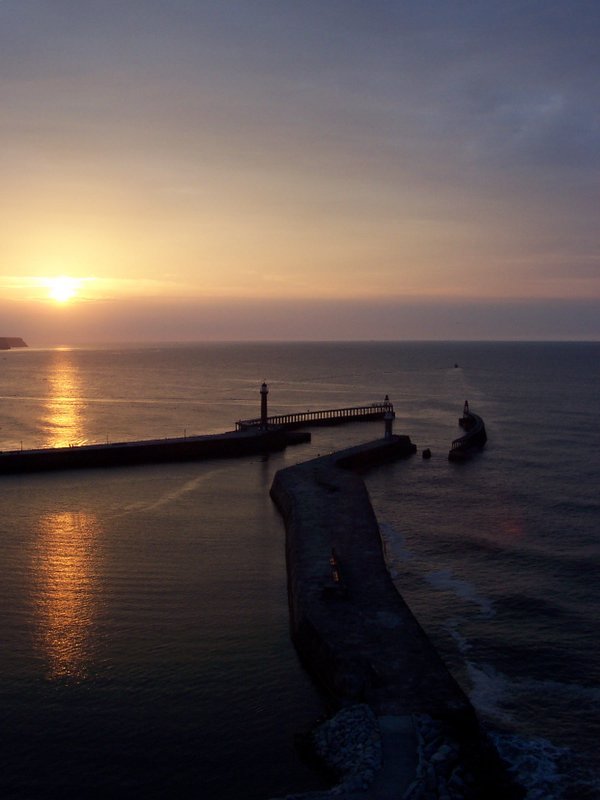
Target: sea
<point>144,619</point>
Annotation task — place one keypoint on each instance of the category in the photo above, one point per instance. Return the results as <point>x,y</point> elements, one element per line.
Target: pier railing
<point>329,416</point>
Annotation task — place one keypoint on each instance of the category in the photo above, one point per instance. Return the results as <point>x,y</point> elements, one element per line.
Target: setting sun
<point>62,289</point>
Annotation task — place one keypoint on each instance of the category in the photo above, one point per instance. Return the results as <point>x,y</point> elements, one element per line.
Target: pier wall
<point>232,444</point>
<point>353,631</point>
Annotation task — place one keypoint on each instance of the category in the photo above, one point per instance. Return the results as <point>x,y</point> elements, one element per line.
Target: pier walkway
<point>330,416</point>
<point>404,729</point>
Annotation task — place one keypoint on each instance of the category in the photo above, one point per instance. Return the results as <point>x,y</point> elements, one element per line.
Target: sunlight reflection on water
<point>66,591</point>
<point>64,407</point>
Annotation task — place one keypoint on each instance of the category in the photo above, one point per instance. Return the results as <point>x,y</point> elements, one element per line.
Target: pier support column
<point>264,391</point>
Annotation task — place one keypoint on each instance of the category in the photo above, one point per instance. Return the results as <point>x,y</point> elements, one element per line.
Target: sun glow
<point>62,289</point>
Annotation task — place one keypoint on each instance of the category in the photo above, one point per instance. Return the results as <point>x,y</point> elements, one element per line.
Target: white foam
<point>444,580</point>
<point>394,544</point>
<point>572,691</point>
<point>535,763</point>
<point>463,644</point>
<point>488,690</point>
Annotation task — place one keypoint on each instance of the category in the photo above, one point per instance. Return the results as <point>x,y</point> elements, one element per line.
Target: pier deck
<point>328,416</point>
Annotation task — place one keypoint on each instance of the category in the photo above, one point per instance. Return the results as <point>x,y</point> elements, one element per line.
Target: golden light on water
<point>64,406</point>
<point>66,591</point>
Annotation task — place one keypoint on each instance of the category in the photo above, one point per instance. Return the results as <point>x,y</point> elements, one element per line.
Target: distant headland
<point>8,342</point>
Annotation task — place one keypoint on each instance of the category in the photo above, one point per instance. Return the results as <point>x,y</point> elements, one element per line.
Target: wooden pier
<point>329,416</point>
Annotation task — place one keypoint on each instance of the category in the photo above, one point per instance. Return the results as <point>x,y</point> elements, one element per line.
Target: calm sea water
<point>144,619</point>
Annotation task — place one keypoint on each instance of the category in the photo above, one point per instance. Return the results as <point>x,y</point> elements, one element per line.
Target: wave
<point>444,580</point>
<point>536,763</point>
<point>394,546</point>
<point>492,692</point>
<point>576,506</point>
<point>172,495</point>
<point>545,770</point>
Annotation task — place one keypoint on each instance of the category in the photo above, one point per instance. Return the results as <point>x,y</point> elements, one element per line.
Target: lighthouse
<point>388,417</point>
<point>264,391</point>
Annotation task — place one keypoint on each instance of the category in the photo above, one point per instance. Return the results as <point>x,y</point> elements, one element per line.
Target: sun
<point>62,289</point>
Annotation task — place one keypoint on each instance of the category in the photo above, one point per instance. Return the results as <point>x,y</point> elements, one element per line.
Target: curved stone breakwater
<point>405,728</point>
<point>472,441</point>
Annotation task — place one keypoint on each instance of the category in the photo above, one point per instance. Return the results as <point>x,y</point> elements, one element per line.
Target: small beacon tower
<point>264,391</point>
<point>388,418</point>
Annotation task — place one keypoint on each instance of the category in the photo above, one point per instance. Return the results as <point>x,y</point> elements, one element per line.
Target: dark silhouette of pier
<point>474,438</point>
<point>231,444</point>
<point>261,435</point>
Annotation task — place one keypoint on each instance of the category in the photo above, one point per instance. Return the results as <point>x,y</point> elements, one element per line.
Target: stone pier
<point>360,642</point>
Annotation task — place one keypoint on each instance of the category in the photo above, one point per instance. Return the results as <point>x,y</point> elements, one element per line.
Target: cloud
<point>245,320</point>
<point>369,149</point>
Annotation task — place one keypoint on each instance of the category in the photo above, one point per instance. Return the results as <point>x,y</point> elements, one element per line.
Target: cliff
<point>7,342</point>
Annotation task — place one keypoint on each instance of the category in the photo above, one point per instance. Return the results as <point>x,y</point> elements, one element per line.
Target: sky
<point>292,169</point>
